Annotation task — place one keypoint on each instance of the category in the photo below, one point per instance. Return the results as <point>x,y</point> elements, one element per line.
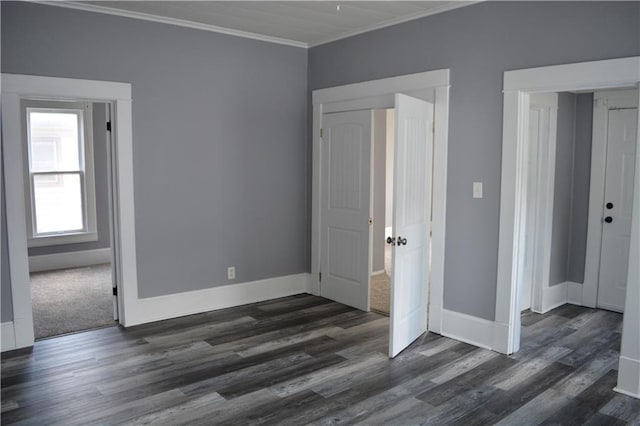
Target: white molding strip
<point>553,296</point>
<point>574,293</point>
<point>195,302</point>
<point>629,382</point>
<point>248,34</point>
<point>8,336</point>
<point>466,328</point>
<point>172,21</point>
<point>73,259</point>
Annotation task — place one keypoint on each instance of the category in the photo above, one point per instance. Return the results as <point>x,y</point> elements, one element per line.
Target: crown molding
<point>171,21</point>
<point>88,7</point>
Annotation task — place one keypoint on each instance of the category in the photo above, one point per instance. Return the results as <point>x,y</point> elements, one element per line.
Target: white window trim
<point>90,228</point>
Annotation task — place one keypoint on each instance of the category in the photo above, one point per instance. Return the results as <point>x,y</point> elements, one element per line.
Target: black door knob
<point>402,241</point>
<point>391,240</point>
<point>609,206</point>
<point>608,219</point>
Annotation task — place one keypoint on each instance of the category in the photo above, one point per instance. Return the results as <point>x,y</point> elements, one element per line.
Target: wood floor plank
<point>307,360</point>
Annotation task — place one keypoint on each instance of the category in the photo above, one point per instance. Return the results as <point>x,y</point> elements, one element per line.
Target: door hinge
<point>115,291</point>
<point>108,126</point>
<point>320,276</point>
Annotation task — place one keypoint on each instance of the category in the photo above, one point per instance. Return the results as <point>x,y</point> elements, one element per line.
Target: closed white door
<point>411,220</point>
<point>345,189</point>
<point>617,209</point>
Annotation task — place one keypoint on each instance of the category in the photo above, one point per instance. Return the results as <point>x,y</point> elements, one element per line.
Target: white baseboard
<point>74,259</point>
<point>467,328</point>
<point>380,272</point>
<point>574,293</point>
<point>553,296</point>
<point>435,318</point>
<point>195,302</point>
<point>501,338</point>
<point>628,377</point>
<point>8,336</point>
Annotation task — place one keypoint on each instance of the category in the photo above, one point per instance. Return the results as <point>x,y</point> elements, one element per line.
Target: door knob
<point>391,240</point>
<point>608,219</point>
<point>402,241</point>
<point>609,206</point>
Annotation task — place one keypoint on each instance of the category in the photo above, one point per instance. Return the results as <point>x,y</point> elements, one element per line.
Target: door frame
<point>606,74</point>
<point>118,95</point>
<point>379,94</point>
<point>603,101</point>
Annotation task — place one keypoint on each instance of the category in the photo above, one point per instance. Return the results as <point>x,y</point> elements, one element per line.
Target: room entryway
<point>70,300</point>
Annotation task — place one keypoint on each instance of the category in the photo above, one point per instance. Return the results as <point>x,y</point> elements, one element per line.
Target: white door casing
<point>411,220</point>
<point>617,209</point>
<point>595,75</point>
<point>346,171</point>
<point>540,175</point>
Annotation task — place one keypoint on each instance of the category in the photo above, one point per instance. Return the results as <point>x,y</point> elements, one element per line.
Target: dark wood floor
<point>304,359</point>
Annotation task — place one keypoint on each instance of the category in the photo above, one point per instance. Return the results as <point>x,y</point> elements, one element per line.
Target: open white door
<point>411,221</point>
<point>345,189</point>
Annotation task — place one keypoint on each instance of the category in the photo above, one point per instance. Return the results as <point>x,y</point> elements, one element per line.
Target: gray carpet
<point>380,287</point>
<point>71,300</point>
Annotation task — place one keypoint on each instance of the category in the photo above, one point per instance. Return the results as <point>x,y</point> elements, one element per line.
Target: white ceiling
<point>297,23</point>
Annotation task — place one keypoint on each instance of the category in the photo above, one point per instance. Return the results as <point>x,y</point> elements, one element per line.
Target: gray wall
<point>571,193</point>
<point>102,190</point>
<point>379,187</point>
<point>561,226</point>
<point>219,131</point>
<point>581,184</point>
<point>478,43</point>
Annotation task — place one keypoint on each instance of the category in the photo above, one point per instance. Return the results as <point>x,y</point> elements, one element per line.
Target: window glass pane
<point>58,203</point>
<point>54,144</point>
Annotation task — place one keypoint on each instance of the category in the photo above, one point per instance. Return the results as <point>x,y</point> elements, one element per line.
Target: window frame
<point>89,231</point>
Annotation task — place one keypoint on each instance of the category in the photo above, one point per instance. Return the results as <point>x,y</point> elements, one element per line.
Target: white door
<point>411,220</point>
<point>618,193</point>
<point>345,189</point>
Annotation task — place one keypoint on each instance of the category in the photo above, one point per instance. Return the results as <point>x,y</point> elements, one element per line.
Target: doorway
<point>598,75</point>
<point>409,310</point>
<point>19,333</point>
<point>69,220</point>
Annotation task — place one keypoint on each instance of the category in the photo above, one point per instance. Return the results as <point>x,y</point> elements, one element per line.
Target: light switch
<point>477,189</point>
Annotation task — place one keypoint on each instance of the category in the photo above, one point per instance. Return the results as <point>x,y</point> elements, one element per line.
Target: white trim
<point>8,337</point>
<point>466,328</point>
<point>624,72</point>
<point>629,368</point>
<point>552,297</point>
<point>248,34</point>
<point>73,259</point>
<point>629,383</point>
<point>173,21</point>
<point>15,87</point>
<point>380,272</point>
<point>194,302</point>
<point>358,93</point>
<point>606,74</point>
<point>430,12</point>
<point>603,102</point>
<point>544,172</point>
<point>61,239</point>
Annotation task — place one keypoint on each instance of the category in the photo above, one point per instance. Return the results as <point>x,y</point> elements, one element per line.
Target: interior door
<point>411,221</point>
<point>618,192</point>
<point>345,189</point>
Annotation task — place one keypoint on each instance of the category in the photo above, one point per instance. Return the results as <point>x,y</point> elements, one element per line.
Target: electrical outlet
<point>231,273</point>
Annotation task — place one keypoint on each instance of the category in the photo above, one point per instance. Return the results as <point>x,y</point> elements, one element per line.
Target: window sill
<point>56,240</point>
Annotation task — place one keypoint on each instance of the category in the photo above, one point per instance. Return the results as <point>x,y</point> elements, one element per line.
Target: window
<point>59,172</point>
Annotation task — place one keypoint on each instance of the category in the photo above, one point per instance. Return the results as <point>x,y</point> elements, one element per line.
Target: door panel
<point>345,182</point>
<point>616,235</point>
<point>411,221</point>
